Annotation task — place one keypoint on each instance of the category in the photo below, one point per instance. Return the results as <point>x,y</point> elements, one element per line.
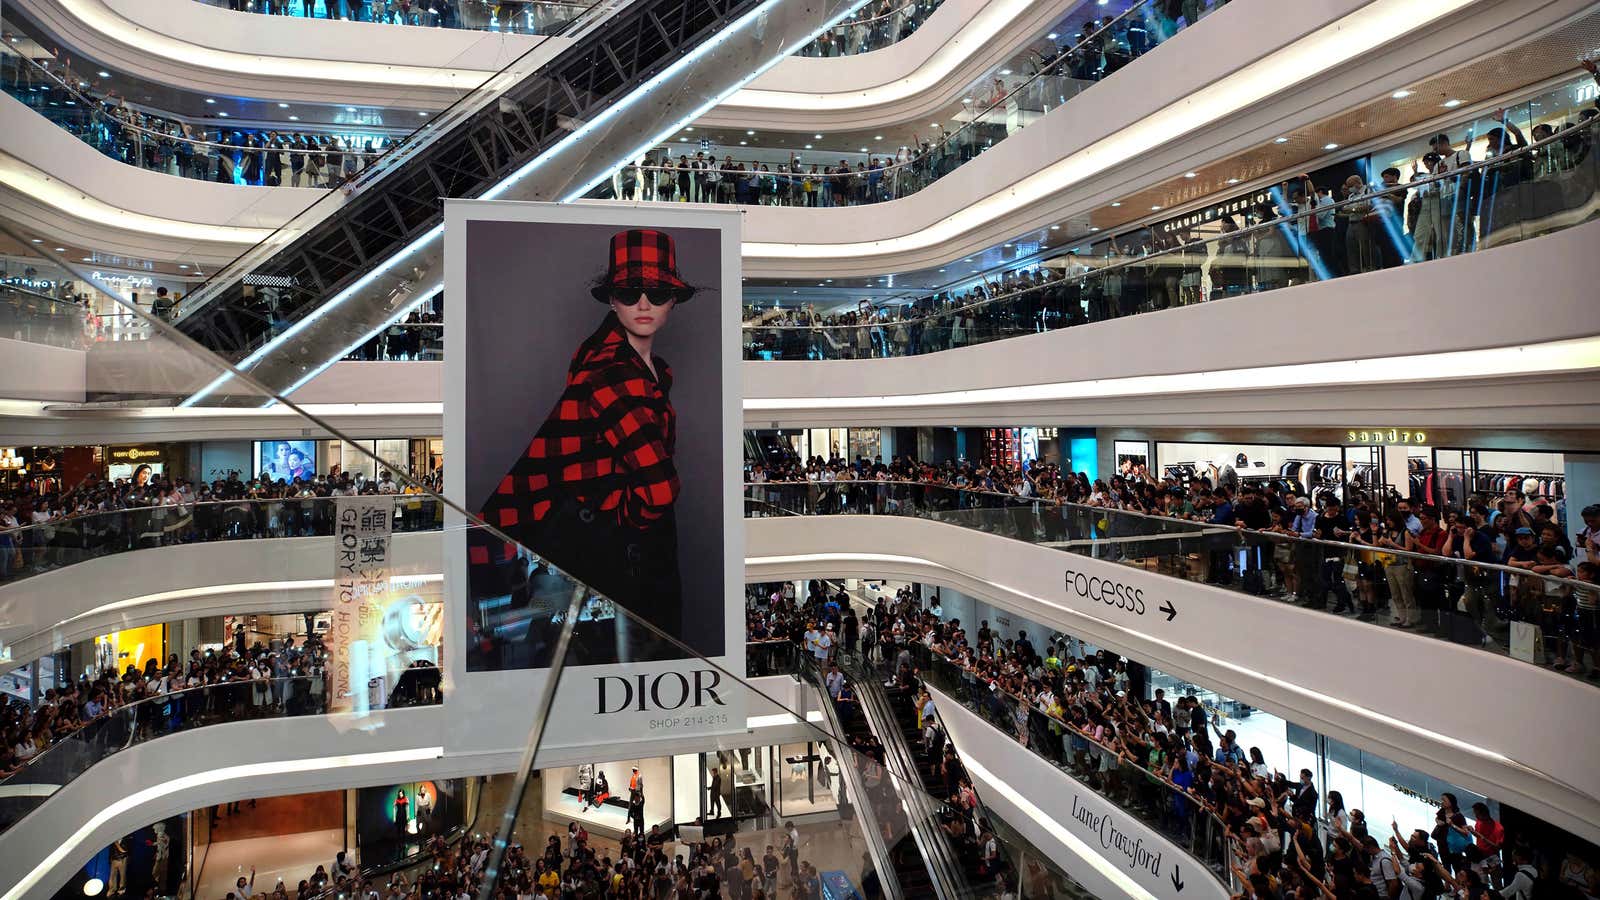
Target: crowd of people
<point>512,16</point>
<point>237,681</point>
<point>873,26</point>
<point>1173,764</point>
<point>1276,522</point>
<point>420,335</point>
<point>242,155</point>
<point>40,531</point>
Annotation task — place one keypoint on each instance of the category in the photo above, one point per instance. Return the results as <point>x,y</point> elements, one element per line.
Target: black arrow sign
<point>1172,613</point>
<point>1177,883</point>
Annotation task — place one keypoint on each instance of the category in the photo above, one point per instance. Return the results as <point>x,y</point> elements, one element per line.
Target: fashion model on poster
<point>595,493</point>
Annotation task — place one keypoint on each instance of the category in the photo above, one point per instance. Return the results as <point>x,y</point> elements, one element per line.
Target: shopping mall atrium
<point>1018,448</point>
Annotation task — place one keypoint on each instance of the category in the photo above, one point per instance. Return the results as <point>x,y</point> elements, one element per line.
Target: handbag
<point>1527,642</point>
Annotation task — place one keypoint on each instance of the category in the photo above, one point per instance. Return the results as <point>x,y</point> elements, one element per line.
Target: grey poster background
<point>528,308</point>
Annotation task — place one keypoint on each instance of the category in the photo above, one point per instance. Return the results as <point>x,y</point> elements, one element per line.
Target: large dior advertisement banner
<point>592,398</point>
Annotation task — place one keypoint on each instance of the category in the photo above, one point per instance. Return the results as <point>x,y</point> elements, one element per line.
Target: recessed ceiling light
<point>105,74</point>
<point>294,118</point>
<point>1233,181</point>
<point>1055,227</point>
<point>744,143</point>
<point>1007,246</point>
<point>1116,203</point>
<point>223,114</point>
<point>349,109</point>
<point>1400,95</point>
<point>1154,208</point>
<point>422,114</point>
<point>61,249</point>
<point>283,106</point>
<point>682,139</point>
<point>1452,103</point>
<point>38,240</point>
<point>877,137</point>
<point>864,150</point>
<point>816,137</point>
<point>941,270</point>
<point>690,128</point>
<point>1188,174</point>
<point>751,132</point>
<point>1330,146</point>
<point>183,265</point>
<point>1093,228</point>
<point>1051,36</point>
<point>828,280</point>
<point>1281,140</point>
<point>808,146</point>
<point>88,259</point>
<point>209,100</point>
<point>1005,71</point>
<point>968,259</point>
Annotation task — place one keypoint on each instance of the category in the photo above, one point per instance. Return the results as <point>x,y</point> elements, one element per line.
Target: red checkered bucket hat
<point>642,259</point>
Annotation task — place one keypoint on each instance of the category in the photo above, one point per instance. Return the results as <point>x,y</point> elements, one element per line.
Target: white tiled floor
<point>290,857</point>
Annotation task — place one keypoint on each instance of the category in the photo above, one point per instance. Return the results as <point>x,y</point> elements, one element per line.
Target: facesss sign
<point>1104,590</point>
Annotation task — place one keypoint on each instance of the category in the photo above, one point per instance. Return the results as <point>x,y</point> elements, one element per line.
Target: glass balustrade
<point>1523,192</point>
<point>247,156</point>
<point>1470,602</point>
<point>991,111</point>
<point>78,746</point>
<point>27,315</point>
<point>506,16</point>
<point>877,25</point>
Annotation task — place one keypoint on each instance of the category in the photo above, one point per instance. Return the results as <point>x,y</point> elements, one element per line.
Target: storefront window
<point>808,779</point>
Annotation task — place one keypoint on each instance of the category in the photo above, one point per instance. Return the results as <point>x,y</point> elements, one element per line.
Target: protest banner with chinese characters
<point>362,532</point>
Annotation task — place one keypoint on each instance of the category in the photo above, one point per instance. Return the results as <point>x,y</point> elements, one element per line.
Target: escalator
<point>377,251</point>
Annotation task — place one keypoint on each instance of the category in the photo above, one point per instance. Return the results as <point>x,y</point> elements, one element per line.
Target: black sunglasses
<point>656,296</point>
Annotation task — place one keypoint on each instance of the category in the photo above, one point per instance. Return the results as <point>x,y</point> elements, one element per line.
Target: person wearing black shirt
<point>1332,526</point>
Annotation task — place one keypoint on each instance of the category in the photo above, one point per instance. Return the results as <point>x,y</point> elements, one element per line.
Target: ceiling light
<point>223,114</point>
<point>422,114</point>
<point>88,259</point>
<point>38,240</point>
<point>968,259</point>
<point>283,106</point>
<point>1233,181</point>
<point>209,100</point>
<point>1007,246</point>
<point>1330,146</point>
<point>1093,228</point>
<point>1188,174</point>
<point>1155,208</point>
<point>744,143</point>
<point>1400,95</point>
<point>294,118</point>
<point>1005,71</point>
<point>1051,36</point>
<point>105,74</point>
<point>690,128</point>
<point>877,137</point>
<point>808,146</point>
<point>183,265</point>
<point>816,137</point>
<point>1055,227</point>
<point>864,150</point>
<point>682,139</point>
<point>751,132</point>
<point>349,109</point>
<point>1116,203</point>
<point>828,280</point>
<point>93,887</point>
<point>1281,140</point>
<point>1452,103</point>
<point>61,249</point>
<point>941,270</point>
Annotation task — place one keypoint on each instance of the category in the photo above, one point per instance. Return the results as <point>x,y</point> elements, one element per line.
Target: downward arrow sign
<point>1172,613</point>
<point>1177,883</point>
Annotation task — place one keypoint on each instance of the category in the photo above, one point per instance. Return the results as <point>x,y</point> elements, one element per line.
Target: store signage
<point>32,284</point>
<point>123,281</point>
<point>135,454</point>
<point>1216,211</point>
<point>362,532</point>
<point>1385,436</point>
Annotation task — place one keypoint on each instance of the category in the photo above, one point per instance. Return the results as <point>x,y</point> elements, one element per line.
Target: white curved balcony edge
<point>1238,78</point>
<point>279,57</point>
<point>1360,684</point>
<point>1086,373</point>
<point>53,183</point>
<point>1535,752</point>
<point>220,763</point>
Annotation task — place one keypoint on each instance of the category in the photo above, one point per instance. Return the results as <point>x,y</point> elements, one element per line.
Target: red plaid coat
<point>609,439</point>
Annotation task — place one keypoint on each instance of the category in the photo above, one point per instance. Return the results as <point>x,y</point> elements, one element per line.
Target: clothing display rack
<point>1538,484</point>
